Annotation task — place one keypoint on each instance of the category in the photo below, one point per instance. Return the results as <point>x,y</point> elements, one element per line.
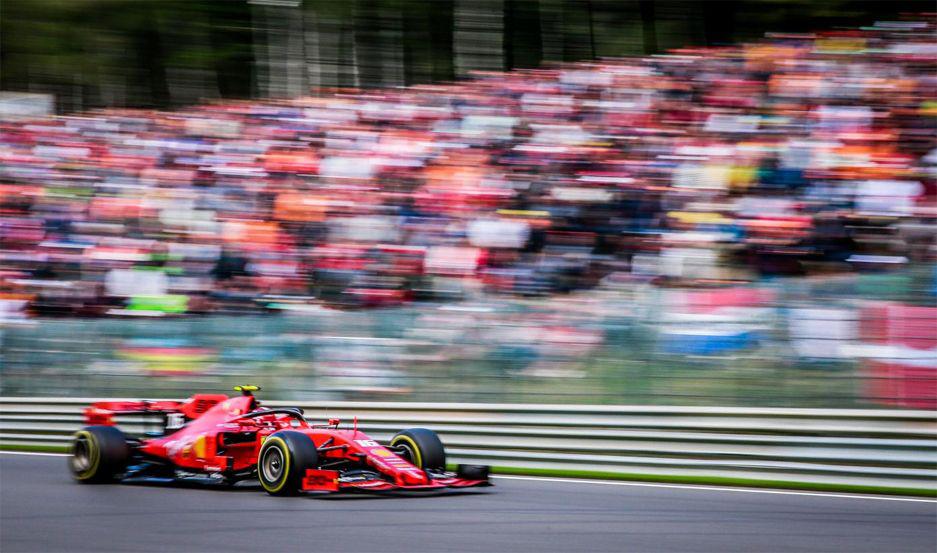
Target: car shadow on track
<point>254,487</point>
<point>226,488</point>
<point>351,496</point>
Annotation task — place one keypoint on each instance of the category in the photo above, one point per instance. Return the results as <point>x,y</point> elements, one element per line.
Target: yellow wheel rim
<point>411,446</point>
<point>266,460</point>
<point>86,455</point>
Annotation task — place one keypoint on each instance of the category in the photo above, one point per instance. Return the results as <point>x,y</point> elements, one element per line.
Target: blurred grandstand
<point>735,225</point>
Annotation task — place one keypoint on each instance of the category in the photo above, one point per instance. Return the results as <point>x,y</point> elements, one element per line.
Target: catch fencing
<point>895,448</point>
<point>853,341</point>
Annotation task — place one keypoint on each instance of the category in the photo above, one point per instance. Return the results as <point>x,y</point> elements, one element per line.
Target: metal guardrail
<point>845,446</point>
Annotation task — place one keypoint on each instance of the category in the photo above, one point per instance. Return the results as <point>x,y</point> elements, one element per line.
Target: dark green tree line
<point>162,53</point>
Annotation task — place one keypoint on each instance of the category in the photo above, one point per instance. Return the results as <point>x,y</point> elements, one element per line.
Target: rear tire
<point>422,448</point>
<point>99,453</point>
<point>283,461</point>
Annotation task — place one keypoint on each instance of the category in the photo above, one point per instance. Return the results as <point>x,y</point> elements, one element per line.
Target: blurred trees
<point>173,52</point>
<point>118,52</point>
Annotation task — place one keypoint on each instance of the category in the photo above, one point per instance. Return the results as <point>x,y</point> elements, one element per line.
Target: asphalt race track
<point>43,510</point>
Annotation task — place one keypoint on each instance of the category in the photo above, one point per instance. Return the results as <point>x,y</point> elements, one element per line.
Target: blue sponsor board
<point>701,342</point>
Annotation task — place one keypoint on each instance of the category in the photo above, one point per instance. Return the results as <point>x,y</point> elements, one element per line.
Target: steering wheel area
<point>279,416</point>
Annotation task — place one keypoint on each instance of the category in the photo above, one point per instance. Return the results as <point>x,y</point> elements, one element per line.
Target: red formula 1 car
<point>216,439</point>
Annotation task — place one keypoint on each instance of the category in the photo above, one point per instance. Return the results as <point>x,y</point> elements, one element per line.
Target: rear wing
<point>174,413</point>
<point>102,412</point>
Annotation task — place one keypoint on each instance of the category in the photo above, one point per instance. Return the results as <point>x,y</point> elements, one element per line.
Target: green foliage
<point>168,52</point>
<point>719,481</point>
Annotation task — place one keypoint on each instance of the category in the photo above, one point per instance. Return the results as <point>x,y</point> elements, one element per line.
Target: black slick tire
<point>421,447</point>
<point>98,454</point>
<point>283,460</point>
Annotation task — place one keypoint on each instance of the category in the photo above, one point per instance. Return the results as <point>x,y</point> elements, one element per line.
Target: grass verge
<point>35,448</point>
<point>716,481</point>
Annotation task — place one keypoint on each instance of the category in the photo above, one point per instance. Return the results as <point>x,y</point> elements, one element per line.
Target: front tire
<point>99,453</point>
<point>283,460</point>
<point>421,447</point>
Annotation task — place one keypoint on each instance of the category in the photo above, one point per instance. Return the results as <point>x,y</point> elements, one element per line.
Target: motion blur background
<point>554,201</point>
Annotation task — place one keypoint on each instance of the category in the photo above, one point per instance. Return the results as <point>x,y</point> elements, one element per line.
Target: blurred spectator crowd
<point>801,154</point>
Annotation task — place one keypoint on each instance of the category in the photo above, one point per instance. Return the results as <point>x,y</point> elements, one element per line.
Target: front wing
<point>331,481</point>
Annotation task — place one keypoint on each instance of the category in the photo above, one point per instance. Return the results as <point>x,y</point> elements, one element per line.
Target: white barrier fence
<point>833,446</point>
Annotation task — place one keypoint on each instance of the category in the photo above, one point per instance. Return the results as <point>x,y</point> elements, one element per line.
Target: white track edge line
<point>711,488</point>
<point>38,453</point>
<point>634,484</point>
